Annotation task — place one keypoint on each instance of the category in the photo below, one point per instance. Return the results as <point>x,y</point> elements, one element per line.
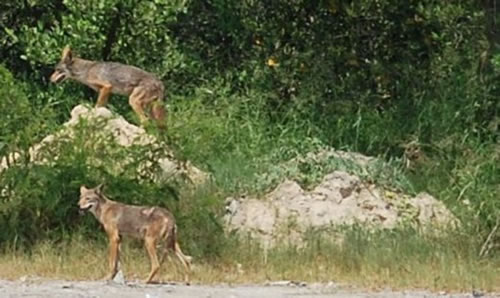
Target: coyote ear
<point>99,188</point>
<point>83,188</point>
<point>67,56</point>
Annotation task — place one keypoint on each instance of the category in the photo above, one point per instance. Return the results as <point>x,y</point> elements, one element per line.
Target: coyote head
<point>63,68</point>
<point>90,198</point>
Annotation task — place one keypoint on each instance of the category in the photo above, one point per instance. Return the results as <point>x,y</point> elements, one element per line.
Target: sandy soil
<point>59,289</point>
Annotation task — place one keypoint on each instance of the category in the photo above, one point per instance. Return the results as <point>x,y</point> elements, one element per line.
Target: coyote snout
<point>155,225</point>
<point>60,74</point>
<point>143,88</point>
<point>87,202</point>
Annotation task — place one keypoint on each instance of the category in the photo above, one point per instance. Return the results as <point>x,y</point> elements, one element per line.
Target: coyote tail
<point>185,260</point>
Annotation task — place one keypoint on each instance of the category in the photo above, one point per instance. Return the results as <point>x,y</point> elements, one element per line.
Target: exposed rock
<point>105,132</point>
<point>288,211</point>
<point>124,133</point>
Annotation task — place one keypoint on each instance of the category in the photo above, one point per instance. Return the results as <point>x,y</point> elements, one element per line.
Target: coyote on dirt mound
<point>142,88</point>
<point>155,225</point>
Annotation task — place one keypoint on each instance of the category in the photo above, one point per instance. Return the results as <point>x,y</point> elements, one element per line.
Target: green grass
<point>398,259</point>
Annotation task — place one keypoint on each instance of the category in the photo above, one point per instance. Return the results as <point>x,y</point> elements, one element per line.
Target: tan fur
<point>154,225</point>
<point>144,90</point>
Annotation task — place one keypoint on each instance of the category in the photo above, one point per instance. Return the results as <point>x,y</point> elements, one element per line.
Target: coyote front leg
<point>104,93</point>
<point>104,89</point>
<point>114,246</point>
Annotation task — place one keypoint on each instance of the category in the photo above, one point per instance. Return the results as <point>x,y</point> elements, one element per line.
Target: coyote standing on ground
<point>154,225</point>
<point>142,87</point>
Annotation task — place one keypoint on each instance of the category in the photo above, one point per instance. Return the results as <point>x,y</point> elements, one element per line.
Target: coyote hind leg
<point>158,113</point>
<point>171,244</point>
<point>150,244</point>
<point>136,101</point>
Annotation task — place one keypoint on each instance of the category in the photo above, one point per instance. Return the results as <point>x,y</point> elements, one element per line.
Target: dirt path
<point>64,289</point>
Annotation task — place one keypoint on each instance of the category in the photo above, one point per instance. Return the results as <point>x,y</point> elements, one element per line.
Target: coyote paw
<point>109,277</point>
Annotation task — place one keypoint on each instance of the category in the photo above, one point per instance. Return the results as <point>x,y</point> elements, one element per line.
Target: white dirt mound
<point>287,212</point>
<point>107,132</point>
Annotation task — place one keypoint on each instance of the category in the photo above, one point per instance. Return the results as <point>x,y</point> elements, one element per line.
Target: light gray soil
<point>63,289</point>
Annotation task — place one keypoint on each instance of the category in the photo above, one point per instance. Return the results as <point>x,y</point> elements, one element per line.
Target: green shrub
<point>16,111</point>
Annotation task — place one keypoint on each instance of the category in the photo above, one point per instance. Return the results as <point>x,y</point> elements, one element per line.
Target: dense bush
<point>253,83</point>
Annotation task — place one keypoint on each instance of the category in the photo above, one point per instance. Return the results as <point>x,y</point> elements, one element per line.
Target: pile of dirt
<point>105,132</point>
<point>289,211</point>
